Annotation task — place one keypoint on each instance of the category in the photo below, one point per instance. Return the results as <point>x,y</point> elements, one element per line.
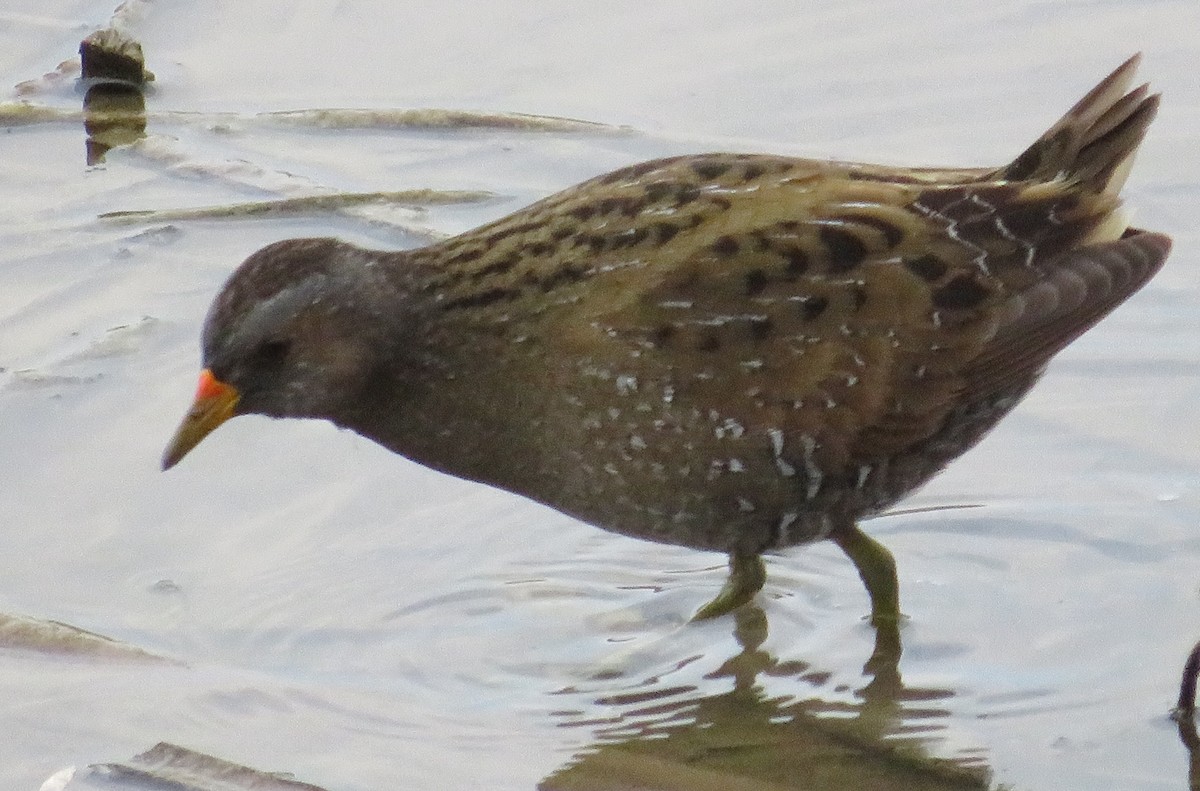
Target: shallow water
<point>364,623</point>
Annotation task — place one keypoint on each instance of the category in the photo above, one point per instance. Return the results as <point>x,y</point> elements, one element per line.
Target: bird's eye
<point>272,352</point>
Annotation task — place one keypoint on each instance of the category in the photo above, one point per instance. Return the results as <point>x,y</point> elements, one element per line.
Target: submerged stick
<point>23,113</point>
<point>301,205</point>
<point>430,118</point>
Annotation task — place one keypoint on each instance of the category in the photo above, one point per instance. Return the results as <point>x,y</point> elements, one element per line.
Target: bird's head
<point>299,330</point>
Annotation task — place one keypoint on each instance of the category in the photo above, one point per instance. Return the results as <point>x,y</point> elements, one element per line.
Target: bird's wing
<point>844,319</point>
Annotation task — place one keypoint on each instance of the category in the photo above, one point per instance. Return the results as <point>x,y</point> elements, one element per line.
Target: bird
<point>730,352</point>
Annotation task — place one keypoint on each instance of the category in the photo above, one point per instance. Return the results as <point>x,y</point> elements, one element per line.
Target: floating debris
<point>168,766</point>
<point>112,54</point>
<point>114,69</point>
<point>54,637</point>
<point>125,17</point>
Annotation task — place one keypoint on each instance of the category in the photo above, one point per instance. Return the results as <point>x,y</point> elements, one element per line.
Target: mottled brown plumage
<point>731,352</point>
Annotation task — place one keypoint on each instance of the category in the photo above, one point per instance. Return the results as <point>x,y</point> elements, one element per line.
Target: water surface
<point>339,613</point>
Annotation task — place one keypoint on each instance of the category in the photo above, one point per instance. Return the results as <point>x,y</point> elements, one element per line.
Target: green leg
<point>878,571</point>
<point>746,577</point>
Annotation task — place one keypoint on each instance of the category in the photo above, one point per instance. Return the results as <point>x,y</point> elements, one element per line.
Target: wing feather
<point>853,317</point>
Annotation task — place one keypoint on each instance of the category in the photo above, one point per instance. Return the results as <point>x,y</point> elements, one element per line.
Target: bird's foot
<point>747,573</point>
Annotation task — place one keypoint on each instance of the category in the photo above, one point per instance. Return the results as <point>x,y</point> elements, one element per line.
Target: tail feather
<point>1083,286</point>
<point>1095,142</point>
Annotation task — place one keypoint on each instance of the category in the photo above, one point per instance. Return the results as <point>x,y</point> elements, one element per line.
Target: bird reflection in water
<point>743,738</point>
